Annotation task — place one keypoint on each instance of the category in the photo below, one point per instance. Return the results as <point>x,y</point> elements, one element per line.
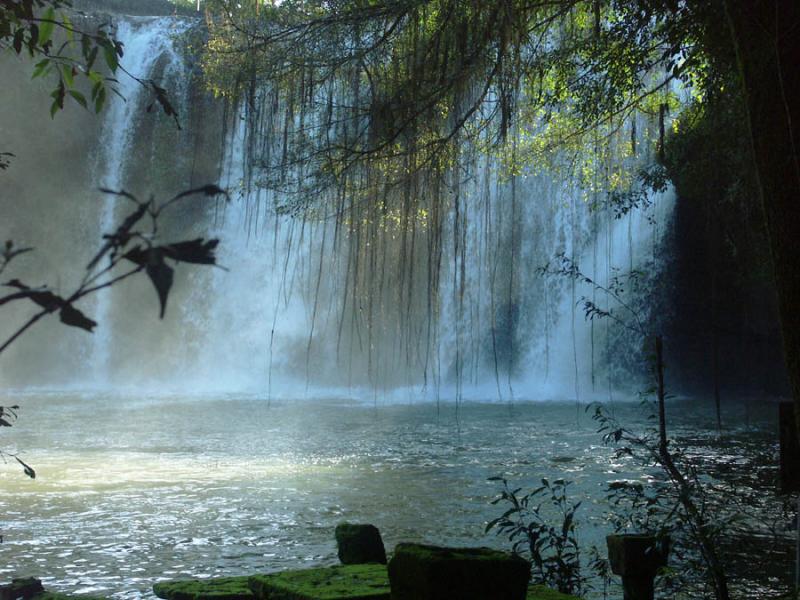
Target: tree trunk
<point>766,35</point>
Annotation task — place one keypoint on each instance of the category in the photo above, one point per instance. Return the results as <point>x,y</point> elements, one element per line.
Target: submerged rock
<point>359,544</point>
<point>421,572</point>
<point>344,582</point>
<point>219,588</point>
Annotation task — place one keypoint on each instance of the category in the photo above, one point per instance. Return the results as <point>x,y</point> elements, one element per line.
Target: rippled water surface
<point>133,490</point>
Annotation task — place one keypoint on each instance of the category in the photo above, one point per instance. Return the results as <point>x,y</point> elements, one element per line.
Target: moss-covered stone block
<point>31,588</point>
<point>344,582</point>
<point>218,588</point>
<point>422,572</point>
<point>26,588</point>
<point>358,544</point>
<point>542,592</point>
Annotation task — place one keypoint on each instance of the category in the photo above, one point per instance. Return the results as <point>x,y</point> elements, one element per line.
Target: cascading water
<point>146,42</point>
<point>293,314</point>
<point>272,328</point>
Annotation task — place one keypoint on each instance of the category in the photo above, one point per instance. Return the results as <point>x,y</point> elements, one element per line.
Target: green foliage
<point>528,523</point>
<point>43,30</point>
<point>683,506</point>
<point>83,64</point>
<point>417,81</point>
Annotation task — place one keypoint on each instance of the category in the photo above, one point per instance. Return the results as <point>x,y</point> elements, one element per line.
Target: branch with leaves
<point>132,248</point>
<point>44,31</point>
<point>686,494</point>
<point>128,245</point>
<point>542,525</point>
<point>8,416</point>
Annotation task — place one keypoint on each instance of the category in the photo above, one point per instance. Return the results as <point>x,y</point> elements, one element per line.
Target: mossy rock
<point>219,588</point>
<point>422,572</point>
<point>542,592</point>
<point>22,587</point>
<point>344,582</point>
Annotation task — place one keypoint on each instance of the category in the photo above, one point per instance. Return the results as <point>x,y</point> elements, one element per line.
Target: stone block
<point>218,588</point>
<point>359,544</point>
<point>25,588</point>
<point>421,572</point>
<point>343,582</point>
<point>636,555</point>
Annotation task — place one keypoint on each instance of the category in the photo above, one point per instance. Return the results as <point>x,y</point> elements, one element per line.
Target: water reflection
<point>133,490</point>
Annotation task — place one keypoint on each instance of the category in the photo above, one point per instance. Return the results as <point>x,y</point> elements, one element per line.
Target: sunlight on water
<point>133,490</point>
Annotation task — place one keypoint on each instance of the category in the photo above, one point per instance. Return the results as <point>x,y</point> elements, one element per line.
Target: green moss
<point>422,572</point>
<point>541,592</point>
<point>345,582</point>
<point>220,588</point>
<point>435,553</point>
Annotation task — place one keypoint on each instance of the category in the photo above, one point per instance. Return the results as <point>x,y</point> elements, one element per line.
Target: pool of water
<point>131,490</point>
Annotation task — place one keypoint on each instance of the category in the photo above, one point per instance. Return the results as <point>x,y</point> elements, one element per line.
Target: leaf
<point>79,98</point>
<point>100,100</point>
<point>46,29</point>
<point>68,27</point>
<point>74,318</point>
<point>490,525</point>
<point>33,39</point>
<point>120,236</point>
<point>41,68</point>
<point>163,100</point>
<point>27,468</point>
<point>19,35</point>
<point>69,75</point>
<point>207,190</point>
<point>110,54</point>
<point>161,275</point>
<point>197,251</point>
<point>47,300</point>
<point>91,57</point>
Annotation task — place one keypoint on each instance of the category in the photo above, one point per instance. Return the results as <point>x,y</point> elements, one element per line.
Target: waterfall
<point>146,42</point>
<point>288,317</point>
<point>258,329</point>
